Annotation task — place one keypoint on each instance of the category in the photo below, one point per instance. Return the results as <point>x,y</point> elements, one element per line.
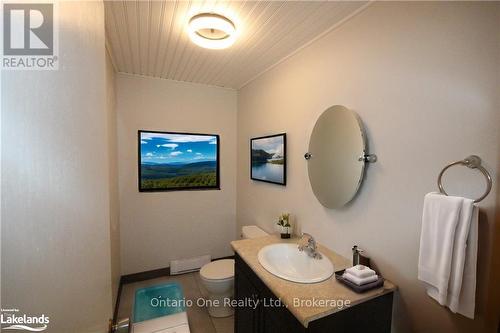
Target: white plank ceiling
<point>149,37</point>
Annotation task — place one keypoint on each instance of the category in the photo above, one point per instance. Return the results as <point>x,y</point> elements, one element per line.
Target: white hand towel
<point>360,271</point>
<point>439,223</point>
<point>360,281</point>
<point>458,259</point>
<point>459,294</point>
<point>466,302</point>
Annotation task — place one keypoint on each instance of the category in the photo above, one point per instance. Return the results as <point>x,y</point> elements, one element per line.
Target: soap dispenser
<point>355,255</point>
<point>358,258</point>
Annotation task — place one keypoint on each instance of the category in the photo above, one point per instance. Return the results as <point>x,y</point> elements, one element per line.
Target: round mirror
<point>336,157</point>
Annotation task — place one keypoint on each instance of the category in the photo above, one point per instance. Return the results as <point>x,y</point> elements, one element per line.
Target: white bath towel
<point>446,223</point>
<point>360,271</point>
<point>360,281</point>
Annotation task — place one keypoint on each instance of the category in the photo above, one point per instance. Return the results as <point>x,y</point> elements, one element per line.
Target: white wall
<point>55,202</point>
<point>161,226</point>
<point>114,222</point>
<point>424,78</point>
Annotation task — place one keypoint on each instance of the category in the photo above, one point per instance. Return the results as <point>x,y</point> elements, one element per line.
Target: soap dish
<point>355,287</point>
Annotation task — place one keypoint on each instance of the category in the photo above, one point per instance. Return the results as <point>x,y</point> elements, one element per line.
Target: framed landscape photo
<point>172,161</point>
<point>268,159</point>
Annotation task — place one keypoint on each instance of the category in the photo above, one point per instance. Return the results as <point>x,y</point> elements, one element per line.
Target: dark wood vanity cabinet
<point>372,316</point>
<point>246,318</point>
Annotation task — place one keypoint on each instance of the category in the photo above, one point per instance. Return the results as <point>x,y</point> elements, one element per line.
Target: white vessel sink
<point>287,262</point>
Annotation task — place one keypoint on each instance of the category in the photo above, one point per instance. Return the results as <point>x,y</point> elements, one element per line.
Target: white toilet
<point>218,278</point>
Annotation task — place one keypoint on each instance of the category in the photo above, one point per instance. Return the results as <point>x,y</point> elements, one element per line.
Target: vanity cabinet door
<point>276,317</point>
<point>246,318</point>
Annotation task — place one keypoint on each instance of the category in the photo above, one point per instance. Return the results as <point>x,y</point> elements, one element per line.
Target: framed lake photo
<point>171,161</point>
<point>268,159</point>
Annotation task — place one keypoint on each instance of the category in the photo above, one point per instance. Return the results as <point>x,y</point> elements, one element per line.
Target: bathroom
<point>80,234</point>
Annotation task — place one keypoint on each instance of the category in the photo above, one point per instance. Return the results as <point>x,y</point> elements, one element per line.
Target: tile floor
<point>199,320</point>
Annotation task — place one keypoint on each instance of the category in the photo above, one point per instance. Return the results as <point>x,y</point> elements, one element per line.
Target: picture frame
<point>177,161</point>
<point>268,159</point>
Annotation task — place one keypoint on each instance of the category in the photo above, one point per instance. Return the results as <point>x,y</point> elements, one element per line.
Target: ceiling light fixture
<point>212,31</point>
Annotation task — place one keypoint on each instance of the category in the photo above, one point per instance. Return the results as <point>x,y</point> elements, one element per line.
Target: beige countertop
<point>303,300</point>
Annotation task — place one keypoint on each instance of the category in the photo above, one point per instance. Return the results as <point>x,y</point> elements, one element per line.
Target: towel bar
<point>472,162</point>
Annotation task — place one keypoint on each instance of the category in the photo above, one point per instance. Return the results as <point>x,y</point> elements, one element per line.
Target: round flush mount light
<point>212,31</point>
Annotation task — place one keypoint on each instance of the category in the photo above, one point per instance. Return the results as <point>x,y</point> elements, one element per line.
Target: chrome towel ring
<point>473,162</point>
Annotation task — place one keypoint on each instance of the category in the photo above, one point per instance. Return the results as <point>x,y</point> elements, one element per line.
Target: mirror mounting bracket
<point>368,158</point>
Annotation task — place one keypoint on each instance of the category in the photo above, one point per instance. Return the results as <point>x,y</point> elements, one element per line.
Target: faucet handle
<point>302,243</point>
<point>305,234</point>
<point>311,241</point>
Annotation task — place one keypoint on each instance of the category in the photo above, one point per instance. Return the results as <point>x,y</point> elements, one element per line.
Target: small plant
<point>284,224</point>
<point>284,220</point>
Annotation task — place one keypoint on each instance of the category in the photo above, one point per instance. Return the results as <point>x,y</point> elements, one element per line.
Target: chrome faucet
<point>308,243</point>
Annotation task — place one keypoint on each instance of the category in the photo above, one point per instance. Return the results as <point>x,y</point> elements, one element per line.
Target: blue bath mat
<point>158,301</point>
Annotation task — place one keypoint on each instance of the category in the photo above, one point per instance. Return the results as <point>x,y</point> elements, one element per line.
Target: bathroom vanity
<point>272,304</point>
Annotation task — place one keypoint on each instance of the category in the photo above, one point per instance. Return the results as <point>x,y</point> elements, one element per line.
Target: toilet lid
<point>218,270</point>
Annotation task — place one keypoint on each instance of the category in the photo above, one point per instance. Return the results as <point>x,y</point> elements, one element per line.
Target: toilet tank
<point>252,231</point>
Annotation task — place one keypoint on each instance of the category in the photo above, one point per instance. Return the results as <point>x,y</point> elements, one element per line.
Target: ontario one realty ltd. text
<point>249,302</point>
